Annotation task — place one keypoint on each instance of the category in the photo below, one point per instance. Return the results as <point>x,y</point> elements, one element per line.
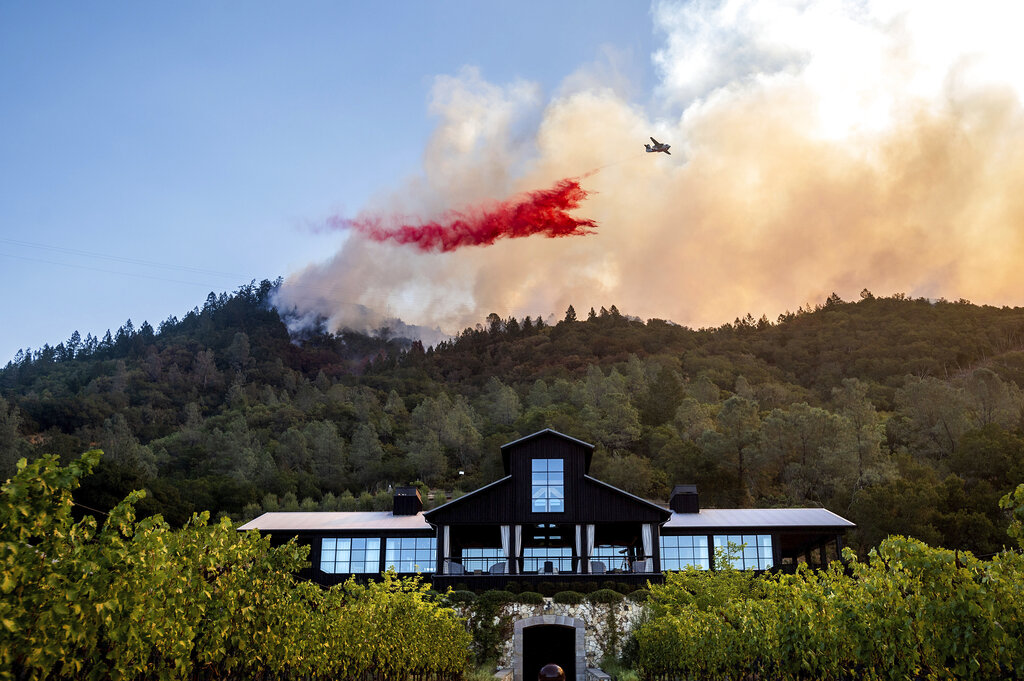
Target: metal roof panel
<point>337,520</point>
<point>756,517</point>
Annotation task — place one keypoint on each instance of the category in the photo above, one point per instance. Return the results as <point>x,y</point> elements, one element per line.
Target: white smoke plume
<point>817,147</point>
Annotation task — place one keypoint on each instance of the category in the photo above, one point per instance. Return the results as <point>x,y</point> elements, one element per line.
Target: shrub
<point>608,584</point>
<point>513,587</point>
<point>530,598</point>
<point>464,597</point>
<point>639,596</point>
<point>569,597</point>
<point>605,596</point>
<point>495,597</point>
<point>547,588</point>
<point>624,588</point>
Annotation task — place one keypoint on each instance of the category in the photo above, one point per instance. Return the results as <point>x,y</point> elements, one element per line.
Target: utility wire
<point>89,508</point>
<point>27,258</point>
<point>116,258</point>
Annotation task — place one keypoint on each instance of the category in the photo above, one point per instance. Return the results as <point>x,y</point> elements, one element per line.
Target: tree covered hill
<point>905,415</point>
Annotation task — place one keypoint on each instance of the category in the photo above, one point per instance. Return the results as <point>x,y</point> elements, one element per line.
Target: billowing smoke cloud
<point>541,212</point>
<point>817,147</point>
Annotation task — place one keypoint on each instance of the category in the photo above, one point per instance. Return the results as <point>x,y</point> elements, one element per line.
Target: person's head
<point>551,672</point>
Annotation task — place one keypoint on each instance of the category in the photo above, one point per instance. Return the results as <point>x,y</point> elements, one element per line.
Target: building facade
<point>547,519</point>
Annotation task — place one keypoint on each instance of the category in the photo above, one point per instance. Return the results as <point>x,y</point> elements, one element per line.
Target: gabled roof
<point>506,449</point>
<point>661,510</point>
<point>427,515</point>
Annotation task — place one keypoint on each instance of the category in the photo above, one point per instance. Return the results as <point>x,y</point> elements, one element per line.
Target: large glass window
<point>548,485</point>
<point>350,555</point>
<point>535,558</point>
<point>411,554</point>
<point>679,551</point>
<point>613,557</point>
<point>477,558</point>
<point>756,553</point>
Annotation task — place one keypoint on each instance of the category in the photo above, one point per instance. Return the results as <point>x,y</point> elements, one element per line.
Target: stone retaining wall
<point>606,626</point>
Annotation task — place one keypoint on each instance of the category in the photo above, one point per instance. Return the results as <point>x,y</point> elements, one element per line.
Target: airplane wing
<point>655,141</point>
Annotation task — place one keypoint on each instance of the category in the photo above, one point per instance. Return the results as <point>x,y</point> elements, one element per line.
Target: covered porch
<point>548,549</point>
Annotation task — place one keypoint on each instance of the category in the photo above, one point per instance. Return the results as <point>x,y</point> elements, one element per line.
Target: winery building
<point>548,520</point>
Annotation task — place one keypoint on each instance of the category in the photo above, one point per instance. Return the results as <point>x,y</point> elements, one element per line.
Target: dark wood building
<point>547,519</point>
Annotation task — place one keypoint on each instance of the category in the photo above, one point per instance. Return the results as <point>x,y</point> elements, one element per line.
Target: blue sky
<point>153,152</point>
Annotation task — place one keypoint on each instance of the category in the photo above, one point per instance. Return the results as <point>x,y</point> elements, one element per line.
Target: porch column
<point>590,545</point>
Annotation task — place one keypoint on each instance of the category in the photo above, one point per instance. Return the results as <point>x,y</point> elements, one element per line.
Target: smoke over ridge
<point>817,147</point>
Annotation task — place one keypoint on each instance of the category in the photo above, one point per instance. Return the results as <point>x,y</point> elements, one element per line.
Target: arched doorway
<point>549,639</point>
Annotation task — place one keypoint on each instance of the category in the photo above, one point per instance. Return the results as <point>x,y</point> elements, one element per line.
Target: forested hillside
<point>903,415</point>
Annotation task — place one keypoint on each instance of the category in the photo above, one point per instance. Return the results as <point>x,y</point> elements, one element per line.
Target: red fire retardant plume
<point>539,212</point>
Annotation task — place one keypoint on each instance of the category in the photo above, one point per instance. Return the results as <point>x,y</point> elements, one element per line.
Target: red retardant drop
<point>539,212</point>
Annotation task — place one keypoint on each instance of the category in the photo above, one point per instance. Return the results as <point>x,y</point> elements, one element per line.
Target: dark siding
<point>494,505</point>
<point>547,447</point>
<point>508,501</point>
<point>597,503</point>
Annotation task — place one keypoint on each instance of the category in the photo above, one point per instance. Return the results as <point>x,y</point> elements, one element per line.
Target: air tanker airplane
<point>658,146</point>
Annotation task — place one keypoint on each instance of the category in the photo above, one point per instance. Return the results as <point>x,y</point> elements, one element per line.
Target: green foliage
<point>902,414</point>
<point>605,596</point>
<point>530,598</point>
<point>568,597</point>
<point>495,597</point>
<point>135,599</point>
<point>639,595</point>
<point>462,597</point>
<point>547,588</point>
<point>910,611</point>
<point>489,628</point>
<point>1014,503</point>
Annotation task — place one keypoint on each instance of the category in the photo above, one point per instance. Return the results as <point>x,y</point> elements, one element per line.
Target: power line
<point>116,258</point>
<point>27,258</point>
<point>89,508</point>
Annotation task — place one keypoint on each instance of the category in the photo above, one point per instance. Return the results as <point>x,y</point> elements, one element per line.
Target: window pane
<point>405,554</point>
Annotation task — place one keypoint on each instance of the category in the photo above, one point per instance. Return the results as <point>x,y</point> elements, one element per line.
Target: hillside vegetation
<point>903,415</point>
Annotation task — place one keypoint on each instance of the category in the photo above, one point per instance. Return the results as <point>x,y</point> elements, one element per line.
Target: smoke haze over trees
<point>902,414</point>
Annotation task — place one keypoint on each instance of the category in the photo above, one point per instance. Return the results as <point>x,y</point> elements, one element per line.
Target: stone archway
<point>579,648</point>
